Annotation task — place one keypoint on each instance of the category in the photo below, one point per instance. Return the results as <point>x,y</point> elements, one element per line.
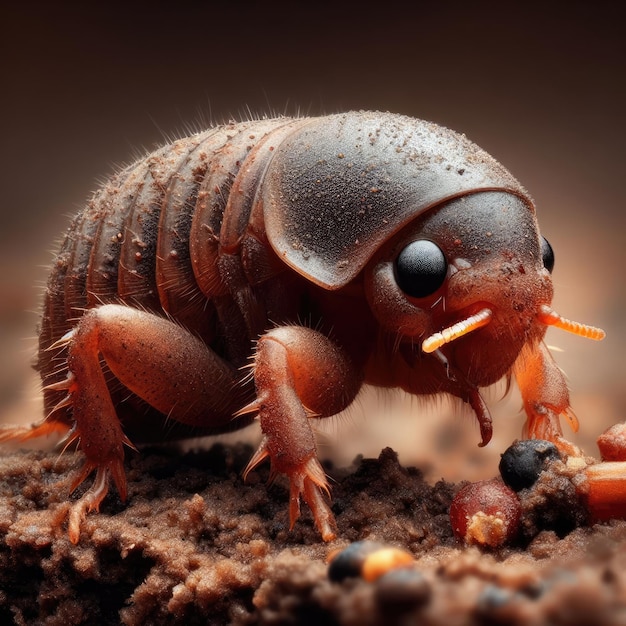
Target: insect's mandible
<point>268,269</point>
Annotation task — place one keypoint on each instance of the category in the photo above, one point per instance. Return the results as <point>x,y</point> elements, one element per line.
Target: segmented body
<point>324,253</point>
<point>199,232</point>
<point>151,238</point>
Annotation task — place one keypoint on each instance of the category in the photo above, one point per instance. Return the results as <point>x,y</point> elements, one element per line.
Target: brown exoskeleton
<point>334,251</point>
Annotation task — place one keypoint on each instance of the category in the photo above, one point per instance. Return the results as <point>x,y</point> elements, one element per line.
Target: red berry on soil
<point>486,513</point>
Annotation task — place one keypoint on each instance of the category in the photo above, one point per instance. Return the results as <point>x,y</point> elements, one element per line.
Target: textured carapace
<point>332,251</point>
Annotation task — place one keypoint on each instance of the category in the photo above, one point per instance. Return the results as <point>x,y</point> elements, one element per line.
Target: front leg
<point>299,373</point>
<point>545,396</point>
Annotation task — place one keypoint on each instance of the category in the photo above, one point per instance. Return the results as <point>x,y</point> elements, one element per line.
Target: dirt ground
<point>194,544</point>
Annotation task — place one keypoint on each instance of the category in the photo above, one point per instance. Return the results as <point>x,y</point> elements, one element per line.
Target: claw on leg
<point>91,499</point>
<point>310,482</point>
<point>307,481</point>
<point>544,423</point>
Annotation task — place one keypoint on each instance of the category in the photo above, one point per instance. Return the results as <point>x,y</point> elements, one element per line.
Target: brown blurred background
<point>541,86</point>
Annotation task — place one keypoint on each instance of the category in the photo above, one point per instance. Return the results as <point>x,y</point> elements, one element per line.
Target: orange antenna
<point>436,340</point>
<point>549,317</point>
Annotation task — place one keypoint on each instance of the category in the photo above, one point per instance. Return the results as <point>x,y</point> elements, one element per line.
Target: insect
<point>268,269</point>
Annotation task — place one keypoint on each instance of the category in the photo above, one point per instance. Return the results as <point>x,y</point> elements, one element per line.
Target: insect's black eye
<point>421,268</point>
<point>547,254</point>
